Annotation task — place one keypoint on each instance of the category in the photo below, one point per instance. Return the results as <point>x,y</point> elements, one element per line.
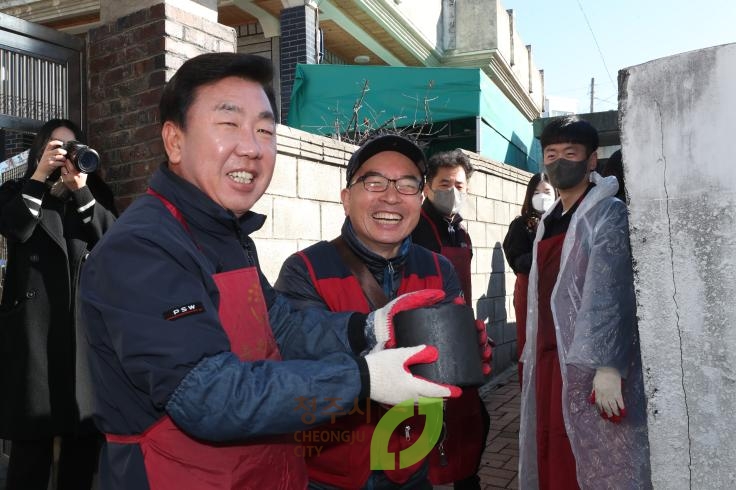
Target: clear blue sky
<point>628,33</point>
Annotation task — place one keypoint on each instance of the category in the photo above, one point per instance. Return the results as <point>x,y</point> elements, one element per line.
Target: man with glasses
<point>372,262</point>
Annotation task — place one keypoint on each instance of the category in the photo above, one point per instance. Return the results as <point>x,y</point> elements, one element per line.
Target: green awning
<point>324,102</point>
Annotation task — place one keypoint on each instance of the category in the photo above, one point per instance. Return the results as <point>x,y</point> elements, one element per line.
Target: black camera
<point>84,158</point>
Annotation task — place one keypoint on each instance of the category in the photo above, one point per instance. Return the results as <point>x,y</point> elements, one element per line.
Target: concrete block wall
<point>676,134</point>
<point>496,194</point>
<point>129,62</point>
<point>303,206</point>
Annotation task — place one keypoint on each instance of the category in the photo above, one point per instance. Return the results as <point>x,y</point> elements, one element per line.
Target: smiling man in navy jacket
<point>198,364</point>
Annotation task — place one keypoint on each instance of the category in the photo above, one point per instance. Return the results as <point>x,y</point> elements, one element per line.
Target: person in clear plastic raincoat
<point>583,411</point>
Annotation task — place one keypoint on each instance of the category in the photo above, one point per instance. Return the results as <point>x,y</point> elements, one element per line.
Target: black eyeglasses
<point>408,186</point>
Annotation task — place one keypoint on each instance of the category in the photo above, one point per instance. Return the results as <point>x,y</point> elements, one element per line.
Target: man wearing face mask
<point>440,227</point>
<point>457,457</point>
<point>583,417</point>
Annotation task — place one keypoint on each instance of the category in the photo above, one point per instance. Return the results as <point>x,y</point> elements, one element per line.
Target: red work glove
<point>485,343</point>
<point>381,321</point>
<point>606,394</point>
<point>393,383</point>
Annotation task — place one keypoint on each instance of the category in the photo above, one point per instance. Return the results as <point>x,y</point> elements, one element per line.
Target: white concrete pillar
<point>677,123</point>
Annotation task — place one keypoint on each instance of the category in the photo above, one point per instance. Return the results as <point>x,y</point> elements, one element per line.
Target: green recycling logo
<point>381,458</point>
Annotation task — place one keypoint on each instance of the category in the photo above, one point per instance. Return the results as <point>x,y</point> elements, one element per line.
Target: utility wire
<point>596,43</point>
<point>599,85</point>
<point>607,99</point>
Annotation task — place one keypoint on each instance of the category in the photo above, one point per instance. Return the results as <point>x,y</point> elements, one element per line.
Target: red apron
<point>520,291</point>
<point>460,258</point>
<point>173,460</point>
<point>555,459</point>
<point>458,455</point>
<point>343,464</point>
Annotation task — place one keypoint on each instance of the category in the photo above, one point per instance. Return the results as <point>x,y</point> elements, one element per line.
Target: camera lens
<point>84,158</point>
<point>87,160</point>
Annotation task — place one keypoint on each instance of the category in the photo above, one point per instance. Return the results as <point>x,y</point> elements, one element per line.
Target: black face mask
<point>566,174</point>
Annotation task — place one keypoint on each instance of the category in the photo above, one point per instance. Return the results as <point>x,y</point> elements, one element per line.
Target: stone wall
<point>303,206</point>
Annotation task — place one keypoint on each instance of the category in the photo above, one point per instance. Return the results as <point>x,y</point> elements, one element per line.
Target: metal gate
<point>41,77</point>
<point>41,74</point>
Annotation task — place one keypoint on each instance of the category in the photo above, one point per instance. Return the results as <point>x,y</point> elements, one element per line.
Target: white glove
<point>381,321</point>
<point>393,383</point>
<point>607,392</point>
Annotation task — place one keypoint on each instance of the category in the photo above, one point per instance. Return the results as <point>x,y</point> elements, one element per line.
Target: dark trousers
<point>473,482</point>
<point>30,463</point>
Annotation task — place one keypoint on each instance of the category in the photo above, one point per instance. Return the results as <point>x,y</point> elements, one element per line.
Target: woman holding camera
<point>51,218</point>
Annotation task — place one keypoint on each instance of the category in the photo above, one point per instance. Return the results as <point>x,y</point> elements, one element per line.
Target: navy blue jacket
<point>144,366</point>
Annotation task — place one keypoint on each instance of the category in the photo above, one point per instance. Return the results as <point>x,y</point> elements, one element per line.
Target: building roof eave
<point>498,70</point>
<point>402,31</point>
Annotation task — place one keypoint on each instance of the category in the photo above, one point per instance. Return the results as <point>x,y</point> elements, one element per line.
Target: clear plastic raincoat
<point>593,307</point>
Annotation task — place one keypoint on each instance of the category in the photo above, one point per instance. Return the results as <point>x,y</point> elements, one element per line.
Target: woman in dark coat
<point>517,246</point>
<point>51,220</point>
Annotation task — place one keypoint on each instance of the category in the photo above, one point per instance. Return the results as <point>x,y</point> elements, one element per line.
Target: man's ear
<point>171,134</point>
<point>593,161</point>
<point>345,198</point>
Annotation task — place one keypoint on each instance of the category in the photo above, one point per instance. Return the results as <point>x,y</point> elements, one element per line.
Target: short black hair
<point>570,129</point>
<point>179,92</point>
<point>615,166</point>
<point>449,159</point>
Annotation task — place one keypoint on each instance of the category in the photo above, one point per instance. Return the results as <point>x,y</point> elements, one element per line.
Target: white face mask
<point>448,202</point>
<point>542,202</point>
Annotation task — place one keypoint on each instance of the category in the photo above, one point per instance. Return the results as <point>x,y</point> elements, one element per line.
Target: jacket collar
<point>374,262</point>
<point>199,210</point>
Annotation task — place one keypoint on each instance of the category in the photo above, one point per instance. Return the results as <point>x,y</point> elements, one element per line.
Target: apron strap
<point>367,282</point>
<point>170,206</point>
<point>432,226</point>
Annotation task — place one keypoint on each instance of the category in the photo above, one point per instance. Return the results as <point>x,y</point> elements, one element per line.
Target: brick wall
<point>129,62</point>
<point>298,45</point>
<point>303,206</point>
<point>14,142</point>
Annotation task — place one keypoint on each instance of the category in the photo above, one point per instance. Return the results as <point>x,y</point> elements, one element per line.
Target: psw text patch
<point>184,310</point>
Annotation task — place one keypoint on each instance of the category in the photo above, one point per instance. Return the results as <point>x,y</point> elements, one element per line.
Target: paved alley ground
<point>501,458</point>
